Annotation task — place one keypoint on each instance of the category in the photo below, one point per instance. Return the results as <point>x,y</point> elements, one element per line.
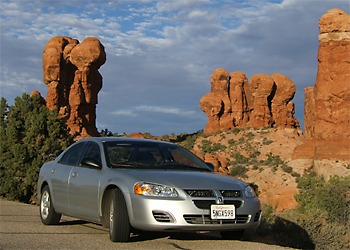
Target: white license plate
<point>222,212</point>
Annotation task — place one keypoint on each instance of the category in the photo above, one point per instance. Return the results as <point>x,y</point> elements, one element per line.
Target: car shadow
<point>282,233</point>
<point>145,236</point>
<point>73,222</point>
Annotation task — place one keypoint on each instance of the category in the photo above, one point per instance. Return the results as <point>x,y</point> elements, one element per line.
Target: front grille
<point>200,193</point>
<point>230,193</point>
<point>205,204</point>
<point>205,219</point>
<point>210,193</point>
<point>164,217</point>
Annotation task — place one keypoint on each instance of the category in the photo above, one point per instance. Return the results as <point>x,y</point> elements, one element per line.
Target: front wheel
<point>48,214</point>
<point>232,235</point>
<point>119,225</point>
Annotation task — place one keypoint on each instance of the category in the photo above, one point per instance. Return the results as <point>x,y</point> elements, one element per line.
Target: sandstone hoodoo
<point>71,74</point>
<point>327,104</point>
<point>263,102</point>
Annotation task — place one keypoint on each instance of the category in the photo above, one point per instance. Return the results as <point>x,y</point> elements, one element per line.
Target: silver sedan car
<point>134,185</point>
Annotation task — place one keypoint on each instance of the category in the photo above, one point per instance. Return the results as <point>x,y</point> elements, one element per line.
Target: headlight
<point>150,189</point>
<point>249,192</point>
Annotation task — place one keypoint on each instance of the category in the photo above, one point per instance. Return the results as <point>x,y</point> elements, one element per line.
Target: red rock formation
<point>282,106</point>
<point>71,74</point>
<point>261,86</point>
<point>232,102</point>
<point>327,104</point>
<point>216,104</point>
<point>240,98</point>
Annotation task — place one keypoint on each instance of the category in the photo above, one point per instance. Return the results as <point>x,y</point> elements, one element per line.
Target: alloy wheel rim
<point>111,208</point>
<point>45,205</point>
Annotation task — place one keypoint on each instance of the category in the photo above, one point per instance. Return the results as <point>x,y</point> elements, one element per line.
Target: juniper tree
<point>30,136</point>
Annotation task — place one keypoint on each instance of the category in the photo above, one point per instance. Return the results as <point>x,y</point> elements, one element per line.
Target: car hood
<point>189,179</point>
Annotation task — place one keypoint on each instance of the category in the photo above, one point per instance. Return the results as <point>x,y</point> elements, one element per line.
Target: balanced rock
<point>71,73</point>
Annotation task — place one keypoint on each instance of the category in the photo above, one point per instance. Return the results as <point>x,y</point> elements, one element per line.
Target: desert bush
<point>273,161</point>
<point>231,142</point>
<point>267,141</point>
<point>235,131</point>
<point>188,141</point>
<point>239,171</point>
<point>250,135</point>
<point>240,159</point>
<point>332,198</point>
<point>287,169</point>
<point>209,147</point>
<point>321,220</point>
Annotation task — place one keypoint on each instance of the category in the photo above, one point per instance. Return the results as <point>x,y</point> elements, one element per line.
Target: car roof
<point>122,139</point>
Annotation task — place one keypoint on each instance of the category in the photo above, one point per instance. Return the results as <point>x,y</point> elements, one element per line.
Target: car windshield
<point>151,155</point>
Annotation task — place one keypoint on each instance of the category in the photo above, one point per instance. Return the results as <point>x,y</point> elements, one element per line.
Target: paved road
<point>21,228</point>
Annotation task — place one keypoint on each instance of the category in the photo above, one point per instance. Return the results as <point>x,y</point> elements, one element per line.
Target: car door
<point>60,175</point>
<point>84,185</point>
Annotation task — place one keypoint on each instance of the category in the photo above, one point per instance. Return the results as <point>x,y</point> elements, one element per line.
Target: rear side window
<point>72,156</point>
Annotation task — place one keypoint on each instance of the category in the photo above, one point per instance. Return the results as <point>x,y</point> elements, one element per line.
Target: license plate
<point>222,212</point>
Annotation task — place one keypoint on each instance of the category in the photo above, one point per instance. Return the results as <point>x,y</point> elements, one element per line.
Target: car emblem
<point>219,200</point>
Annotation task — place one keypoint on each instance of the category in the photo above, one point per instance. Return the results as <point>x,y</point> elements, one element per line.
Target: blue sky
<point>160,54</point>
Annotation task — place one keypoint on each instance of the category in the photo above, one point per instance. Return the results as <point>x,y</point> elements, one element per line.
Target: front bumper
<point>159,214</point>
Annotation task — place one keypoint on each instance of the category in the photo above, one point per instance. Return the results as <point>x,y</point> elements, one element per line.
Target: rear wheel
<point>48,214</point>
<point>232,235</point>
<point>119,225</point>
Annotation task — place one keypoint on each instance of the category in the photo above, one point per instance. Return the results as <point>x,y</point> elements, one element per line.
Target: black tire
<point>119,224</point>
<point>232,235</point>
<point>48,214</point>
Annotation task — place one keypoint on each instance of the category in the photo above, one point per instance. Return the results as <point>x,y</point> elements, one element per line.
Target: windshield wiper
<point>180,166</point>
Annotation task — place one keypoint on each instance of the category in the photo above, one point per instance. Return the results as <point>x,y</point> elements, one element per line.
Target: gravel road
<point>21,228</point>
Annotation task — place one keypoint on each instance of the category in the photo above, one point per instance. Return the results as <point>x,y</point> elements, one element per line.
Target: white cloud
<point>160,54</point>
<point>137,111</point>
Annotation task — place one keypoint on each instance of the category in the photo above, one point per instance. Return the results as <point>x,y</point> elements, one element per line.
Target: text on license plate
<point>220,212</point>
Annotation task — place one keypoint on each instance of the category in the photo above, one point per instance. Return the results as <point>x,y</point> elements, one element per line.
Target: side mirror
<point>211,166</point>
<point>91,162</point>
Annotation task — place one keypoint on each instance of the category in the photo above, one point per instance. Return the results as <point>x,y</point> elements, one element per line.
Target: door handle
<point>74,174</point>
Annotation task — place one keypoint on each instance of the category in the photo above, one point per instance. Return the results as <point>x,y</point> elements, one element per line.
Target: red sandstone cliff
<point>327,104</point>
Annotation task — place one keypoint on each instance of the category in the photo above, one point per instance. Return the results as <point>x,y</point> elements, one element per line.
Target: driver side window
<point>72,156</point>
<point>92,151</point>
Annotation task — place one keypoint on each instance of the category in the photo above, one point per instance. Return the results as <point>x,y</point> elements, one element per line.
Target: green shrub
<point>209,147</point>
<point>250,135</point>
<point>287,169</point>
<point>267,141</point>
<point>231,142</point>
<point>240,159</point>
<point>273,161</point>
<point>236,131</point>
<point>332,197</point>
<point>189,140</point>
<point>321,220</point>
<point>30,136</point>
<point>239,170</point>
